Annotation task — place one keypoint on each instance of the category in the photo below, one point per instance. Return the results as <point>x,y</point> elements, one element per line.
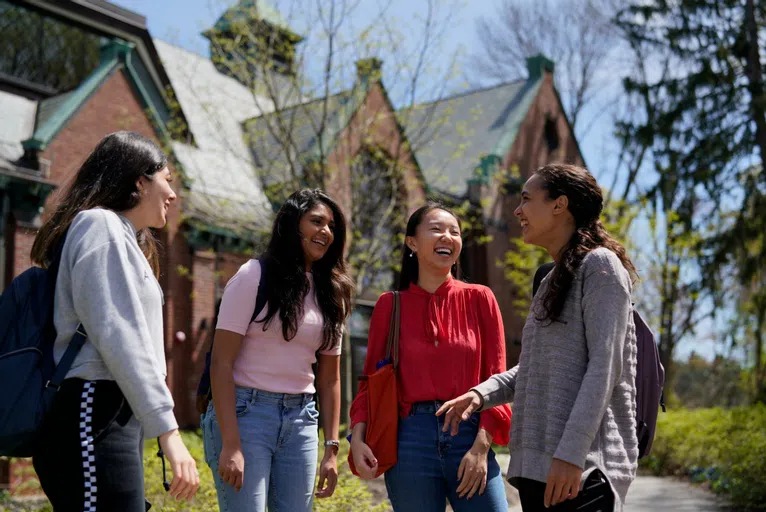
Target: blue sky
<point>180,22</point>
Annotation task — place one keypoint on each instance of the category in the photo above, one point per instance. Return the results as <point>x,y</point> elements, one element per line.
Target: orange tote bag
<point>383,402</point>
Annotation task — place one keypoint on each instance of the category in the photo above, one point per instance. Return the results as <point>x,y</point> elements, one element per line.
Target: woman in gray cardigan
<point>573,391</point>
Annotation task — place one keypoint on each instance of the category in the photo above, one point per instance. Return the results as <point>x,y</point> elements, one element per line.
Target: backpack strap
<point>260,299</point>
<point>75,344</point>
<point>542,271</point>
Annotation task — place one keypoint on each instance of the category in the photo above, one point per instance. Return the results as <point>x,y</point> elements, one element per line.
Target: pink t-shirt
<point>266,361</point>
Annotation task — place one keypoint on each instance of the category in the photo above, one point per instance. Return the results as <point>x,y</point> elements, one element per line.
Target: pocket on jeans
<point>311,412</point>
<point>241,406</point>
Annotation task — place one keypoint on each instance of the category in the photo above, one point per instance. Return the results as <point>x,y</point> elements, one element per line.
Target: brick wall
<point>373,124</point>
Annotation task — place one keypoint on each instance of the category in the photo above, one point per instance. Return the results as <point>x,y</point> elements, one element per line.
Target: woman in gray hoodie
<point>573,391</point>
<point>89,457</point>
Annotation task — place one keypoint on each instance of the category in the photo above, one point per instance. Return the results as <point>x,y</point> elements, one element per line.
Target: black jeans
<point>89,455</point>
<point>595,496</point>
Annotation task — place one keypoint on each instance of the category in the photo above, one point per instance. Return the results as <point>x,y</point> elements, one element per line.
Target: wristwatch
<point>334,443</point>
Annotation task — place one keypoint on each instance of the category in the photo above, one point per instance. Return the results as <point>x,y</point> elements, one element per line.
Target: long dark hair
<point>585,204</point>
<point>409,272</point>
<point>286,280</point>
<point>106,179</point>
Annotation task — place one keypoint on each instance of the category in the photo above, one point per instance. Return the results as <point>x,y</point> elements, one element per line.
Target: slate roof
<point>450,136</point>
<point>305,122</point>
<point>223,188</point>
<point>229,139</point>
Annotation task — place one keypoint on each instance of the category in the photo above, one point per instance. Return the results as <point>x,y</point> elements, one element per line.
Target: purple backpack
<point>650,375</point>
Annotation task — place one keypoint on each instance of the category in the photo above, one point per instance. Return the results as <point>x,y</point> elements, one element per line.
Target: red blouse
<point>449,341</point>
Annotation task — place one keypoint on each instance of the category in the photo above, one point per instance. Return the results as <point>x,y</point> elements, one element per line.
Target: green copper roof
<point>249,10</point>
<point>54,113</point>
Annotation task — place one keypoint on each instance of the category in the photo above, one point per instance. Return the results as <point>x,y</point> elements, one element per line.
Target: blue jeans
<point>279,435</point>
<point>425,475</point>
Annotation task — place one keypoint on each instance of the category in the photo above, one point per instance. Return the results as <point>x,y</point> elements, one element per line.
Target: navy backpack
<point>29,378</point>
<point>650,375</point>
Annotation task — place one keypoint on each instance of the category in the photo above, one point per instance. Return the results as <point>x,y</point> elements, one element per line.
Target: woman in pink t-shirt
<point>260,430</point>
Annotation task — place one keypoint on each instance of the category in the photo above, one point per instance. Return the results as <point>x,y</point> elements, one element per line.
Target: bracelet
<point>334,443</point>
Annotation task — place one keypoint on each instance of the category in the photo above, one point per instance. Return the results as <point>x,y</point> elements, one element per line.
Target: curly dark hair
<point>585,204</point>
<point>285,278</point>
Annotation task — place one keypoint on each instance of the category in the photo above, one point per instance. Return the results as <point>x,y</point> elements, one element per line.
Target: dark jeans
<point>89,456</point>
<point>595,496</point>
<point>425,475</point>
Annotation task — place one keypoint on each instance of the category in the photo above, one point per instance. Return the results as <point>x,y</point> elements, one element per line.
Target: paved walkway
<point>653,494</point>
<point>647,494</point>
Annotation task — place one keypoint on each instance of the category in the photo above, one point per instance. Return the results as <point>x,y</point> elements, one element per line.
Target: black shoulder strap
<point>261,298</point>
<point>542,271</point>
<point>75,344</point>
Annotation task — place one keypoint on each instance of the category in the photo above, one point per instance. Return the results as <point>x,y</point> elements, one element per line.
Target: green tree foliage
<point>701,74</point>
<point>43,50</point>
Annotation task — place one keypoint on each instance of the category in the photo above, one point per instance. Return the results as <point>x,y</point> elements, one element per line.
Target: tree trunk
<point>667,344</point>
<point>755,79</point>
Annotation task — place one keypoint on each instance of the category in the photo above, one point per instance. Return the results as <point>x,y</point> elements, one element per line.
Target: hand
<point>185,475</point>
<point>231,466</point>
<point>472,473</point>
<point>364,460</point>
<point>563,482</point>
<point>459,409</point>
<point>328,473</point>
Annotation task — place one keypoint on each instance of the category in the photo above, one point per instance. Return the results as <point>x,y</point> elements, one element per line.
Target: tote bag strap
<point>392,344</point>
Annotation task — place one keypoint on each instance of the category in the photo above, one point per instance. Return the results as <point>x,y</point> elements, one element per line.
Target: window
<point>551,135</point>
<point>376,218</point>
<point>43,50</point>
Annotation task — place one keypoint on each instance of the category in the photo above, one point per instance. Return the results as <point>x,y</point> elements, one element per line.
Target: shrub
<point>726,448</point>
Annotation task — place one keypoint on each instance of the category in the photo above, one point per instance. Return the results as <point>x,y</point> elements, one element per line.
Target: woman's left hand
<point>472,473</point>
<point>563,482</point>
<point>328,475</point>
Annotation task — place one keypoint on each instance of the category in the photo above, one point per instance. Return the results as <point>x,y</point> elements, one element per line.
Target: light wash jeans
<point>279,442</point>
<point>425,475</point>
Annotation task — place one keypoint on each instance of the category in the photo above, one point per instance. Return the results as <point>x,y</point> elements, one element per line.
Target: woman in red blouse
<point>451,340</point>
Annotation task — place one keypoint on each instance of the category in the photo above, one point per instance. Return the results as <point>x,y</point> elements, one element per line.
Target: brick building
<point>101,71</point>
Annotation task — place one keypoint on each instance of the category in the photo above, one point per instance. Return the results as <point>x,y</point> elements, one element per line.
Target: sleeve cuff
<point>498,429</point>
<point>573,448</point>
<point>491,392</point>
<point>158,422</point>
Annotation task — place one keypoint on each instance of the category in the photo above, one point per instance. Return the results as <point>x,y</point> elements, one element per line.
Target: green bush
<point>726,448</point>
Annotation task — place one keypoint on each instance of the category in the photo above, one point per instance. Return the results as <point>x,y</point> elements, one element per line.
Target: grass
<point>351,494</point>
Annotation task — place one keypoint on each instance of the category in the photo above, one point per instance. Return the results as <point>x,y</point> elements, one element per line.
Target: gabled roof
<point>452,137</point>
<point>54,113</point>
